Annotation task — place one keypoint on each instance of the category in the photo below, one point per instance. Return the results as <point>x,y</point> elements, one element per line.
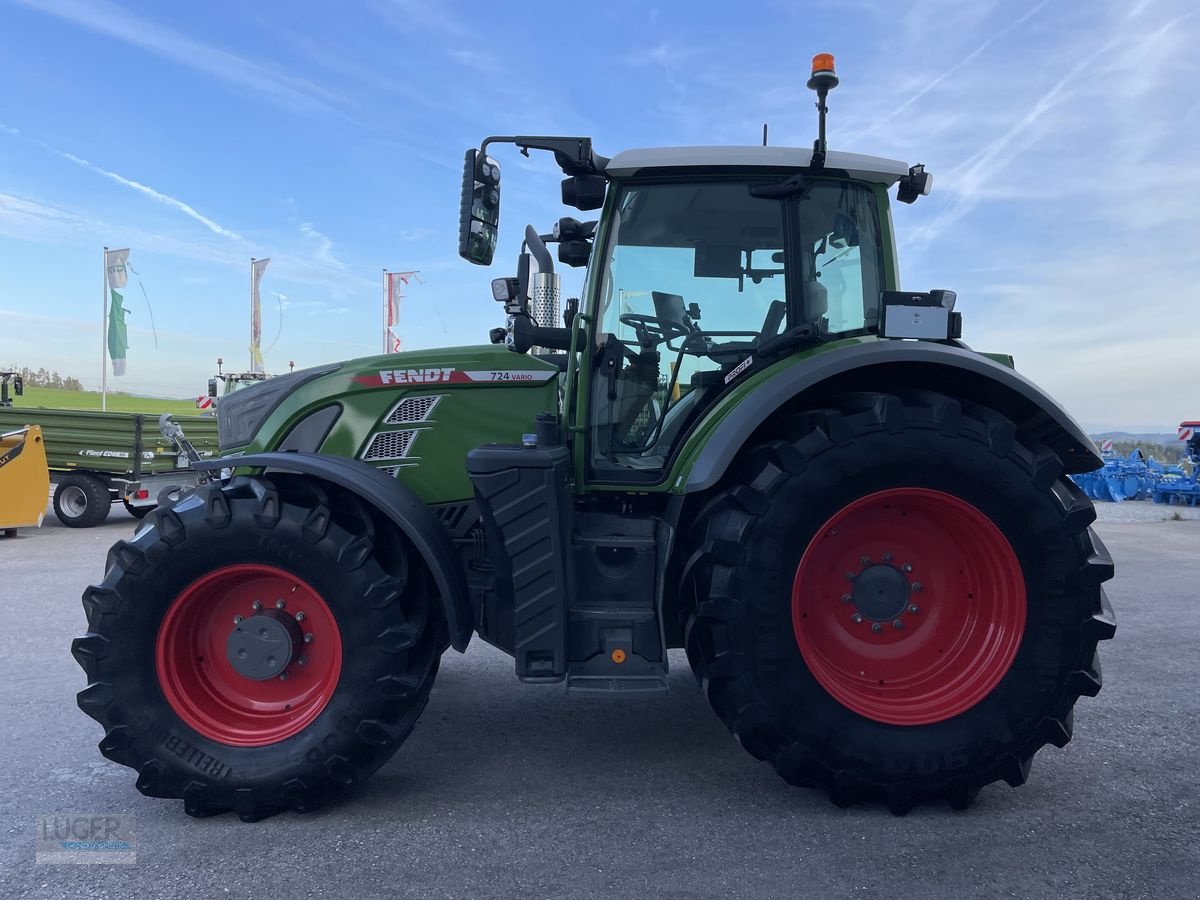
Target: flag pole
<point>386,301</point>
<point>104,336</point>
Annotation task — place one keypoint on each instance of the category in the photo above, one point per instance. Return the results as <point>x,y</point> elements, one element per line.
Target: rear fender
<point>414,518</point>
<point>891,365</point>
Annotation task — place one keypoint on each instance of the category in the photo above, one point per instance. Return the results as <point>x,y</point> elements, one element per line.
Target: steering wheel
<point>660,330</point>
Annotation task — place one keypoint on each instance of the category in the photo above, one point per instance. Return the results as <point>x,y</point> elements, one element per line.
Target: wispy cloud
<point>419,15</point>
<point>932,84</point>
<point>158,196</point>
<point>116,22</point>
<point>323,246</point>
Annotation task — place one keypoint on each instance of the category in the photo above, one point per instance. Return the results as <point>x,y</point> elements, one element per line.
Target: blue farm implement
<point>1134,477</point>
<point>1122,478</point>
<point>1174,486</point>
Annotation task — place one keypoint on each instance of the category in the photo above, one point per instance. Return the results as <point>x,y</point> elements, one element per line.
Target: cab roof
<point>642,162</point>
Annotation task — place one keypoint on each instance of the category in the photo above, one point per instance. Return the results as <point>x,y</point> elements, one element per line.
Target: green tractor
<point>743,440</point>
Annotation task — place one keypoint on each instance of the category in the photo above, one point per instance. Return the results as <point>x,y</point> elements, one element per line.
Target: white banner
<point>114,262</point>
<point>256,273</point>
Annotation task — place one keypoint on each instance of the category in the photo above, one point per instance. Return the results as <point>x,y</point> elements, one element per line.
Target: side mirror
<point>19,386</point>
<point>212,387</point>
<point>479,210</point>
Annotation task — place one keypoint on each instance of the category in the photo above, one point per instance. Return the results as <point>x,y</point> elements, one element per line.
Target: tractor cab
<point>706,266</point>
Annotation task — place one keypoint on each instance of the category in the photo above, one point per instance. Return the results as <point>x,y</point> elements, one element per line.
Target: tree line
<point>45,378</point>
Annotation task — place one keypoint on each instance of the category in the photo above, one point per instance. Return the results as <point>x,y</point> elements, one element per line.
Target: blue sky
<point>1062,137</point>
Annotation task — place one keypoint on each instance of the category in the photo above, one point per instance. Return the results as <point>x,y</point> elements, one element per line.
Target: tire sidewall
<point>341,579</point>
<point>1001,488</point>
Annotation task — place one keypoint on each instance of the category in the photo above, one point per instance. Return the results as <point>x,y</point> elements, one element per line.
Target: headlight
<point>240,415</point>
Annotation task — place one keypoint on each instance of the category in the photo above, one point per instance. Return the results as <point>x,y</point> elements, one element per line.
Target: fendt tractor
<point>742,439</point>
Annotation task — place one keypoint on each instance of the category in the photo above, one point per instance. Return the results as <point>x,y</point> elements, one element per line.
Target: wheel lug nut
<point>913,608</point>
<point>887,557</point>
<point>237,620</point>
<point>917,587</point>
<point>279,604</point>
<point>856,618</point>
<point>865,560</point>
<point>846,598</point>
<point>907,567</point>
<point>308,638</point>
<point>256,605</point>
<point>876,628</point>
<point>302,661</point>
<point>850,576</point>
<point>300,617</point>
<point>283,676</point>
<point>897,624</point>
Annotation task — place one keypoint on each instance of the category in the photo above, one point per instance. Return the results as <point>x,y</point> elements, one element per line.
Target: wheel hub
<point>881,592</point>
<point>264,645</point>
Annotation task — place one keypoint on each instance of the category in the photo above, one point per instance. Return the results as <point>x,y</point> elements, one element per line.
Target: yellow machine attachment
<point>24,479</point>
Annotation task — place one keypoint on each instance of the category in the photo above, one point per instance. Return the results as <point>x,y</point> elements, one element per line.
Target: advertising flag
<point>118,336</point>
<point>115,263</point>
<point>396,282</point>
<point>257,267</point>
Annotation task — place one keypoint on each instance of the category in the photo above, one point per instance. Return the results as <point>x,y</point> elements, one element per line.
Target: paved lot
<point>512,790</point>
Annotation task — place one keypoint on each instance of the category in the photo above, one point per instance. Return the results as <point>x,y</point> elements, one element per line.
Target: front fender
<point>414,518</point>
<point>889,365</point>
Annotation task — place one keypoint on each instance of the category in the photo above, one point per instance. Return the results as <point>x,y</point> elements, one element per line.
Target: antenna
<point>764,134</point>
<point>824,79</point>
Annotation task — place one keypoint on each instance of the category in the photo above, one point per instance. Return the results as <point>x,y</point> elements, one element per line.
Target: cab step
<point>617,687</point>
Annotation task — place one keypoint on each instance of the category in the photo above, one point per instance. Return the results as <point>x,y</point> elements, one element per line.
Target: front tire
<point>899,600</point>
<point>260,645</point>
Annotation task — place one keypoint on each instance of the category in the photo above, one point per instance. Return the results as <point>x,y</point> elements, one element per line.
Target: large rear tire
<point>81,501</point>
<point>899,599</point>
<point>260,645</point>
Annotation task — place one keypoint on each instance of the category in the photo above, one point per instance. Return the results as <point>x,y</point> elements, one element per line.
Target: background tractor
<point>742,439</point>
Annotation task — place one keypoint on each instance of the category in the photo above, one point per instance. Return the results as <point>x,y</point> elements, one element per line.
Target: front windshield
<point>696,276</point>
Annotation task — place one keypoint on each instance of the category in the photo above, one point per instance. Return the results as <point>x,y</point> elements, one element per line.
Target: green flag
<point>118,337</point>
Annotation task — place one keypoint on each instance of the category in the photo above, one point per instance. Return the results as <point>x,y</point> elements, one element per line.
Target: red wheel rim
<point>202,685</point>
<point>961,594</point>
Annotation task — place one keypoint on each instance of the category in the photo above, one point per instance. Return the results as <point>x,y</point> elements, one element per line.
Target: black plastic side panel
<point>413,517</point>
<point>934,367</point>
<point>525,505</point>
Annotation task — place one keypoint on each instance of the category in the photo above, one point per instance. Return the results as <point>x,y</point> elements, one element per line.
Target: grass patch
<point>57,398</point>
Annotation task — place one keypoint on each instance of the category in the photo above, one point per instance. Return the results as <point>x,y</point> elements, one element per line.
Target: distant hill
<point>1167,439</point>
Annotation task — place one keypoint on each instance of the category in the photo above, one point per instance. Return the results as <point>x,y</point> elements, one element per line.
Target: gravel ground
<point>513,790</point>
<point>1145,511</point>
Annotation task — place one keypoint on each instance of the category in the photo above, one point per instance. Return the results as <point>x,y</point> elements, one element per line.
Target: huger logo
<point>414,376</point>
